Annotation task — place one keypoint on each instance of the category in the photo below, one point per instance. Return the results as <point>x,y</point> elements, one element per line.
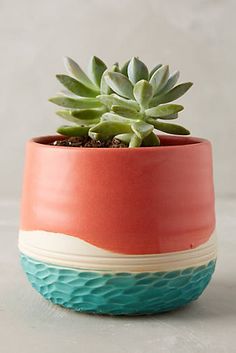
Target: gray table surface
<point>28,323</point>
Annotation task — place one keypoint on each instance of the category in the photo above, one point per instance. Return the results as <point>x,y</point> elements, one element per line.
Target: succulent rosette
<point>127,103</point>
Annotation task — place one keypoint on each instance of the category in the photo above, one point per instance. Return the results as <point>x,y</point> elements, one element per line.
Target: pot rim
<point>181,142</point>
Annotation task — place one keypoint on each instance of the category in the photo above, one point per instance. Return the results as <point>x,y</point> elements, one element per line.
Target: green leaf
<point>124,68</point>
<point>126,112</point>
<point>143,93</point>
<point>115,117</point>
<point>87,113</point>
<point>75,70</point>
<point>137,70</point>
<point>108,129</point>
<point>67,115</point>
<point>114,99</point>
<point>172,95</point>
<point>169,128</point>
<point>75,86</point>
<point>142,129</point>
<point>135,141</point>
<point>73,130</point>
<point>151,140</point>
<point>77,103</point>
<point>170,83</point>
<point>104,88</point>
<point>125,138</point>
<point>155,69</point>
<point>96,69</point>
<point>169,117</point>
<point>164,110</point>
<point>159,78</point>
<point>120,84</point>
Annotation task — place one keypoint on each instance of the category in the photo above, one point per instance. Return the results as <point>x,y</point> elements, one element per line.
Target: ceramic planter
<point>119,231</point>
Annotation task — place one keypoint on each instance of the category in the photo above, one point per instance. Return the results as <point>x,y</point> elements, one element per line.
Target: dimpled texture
<point>117,293</point>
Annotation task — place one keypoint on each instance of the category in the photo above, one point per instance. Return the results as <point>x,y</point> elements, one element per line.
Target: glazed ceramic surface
<point>105,230</point>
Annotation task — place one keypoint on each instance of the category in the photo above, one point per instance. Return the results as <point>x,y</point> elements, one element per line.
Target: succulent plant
<point>127,103</point>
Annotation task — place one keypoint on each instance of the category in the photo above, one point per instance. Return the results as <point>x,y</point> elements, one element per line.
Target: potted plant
<point>117,219</point>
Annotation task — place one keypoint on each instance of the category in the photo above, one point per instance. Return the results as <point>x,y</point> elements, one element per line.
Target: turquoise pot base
<point>117,293</point>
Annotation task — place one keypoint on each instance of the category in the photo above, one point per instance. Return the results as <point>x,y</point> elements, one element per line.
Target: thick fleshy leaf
<point>169,117</point>
<point>96,69</point>
<point>87,113</point>
<point>108,129</point>
<point>151,140</point>
<point>120,84</point>
<point>173,94</point>
<point>75,70</point>
<point>104,88</point>
<point>137,70</point>
<point>76,103</point>
<point>159,78</point>
<point>114,99</point>
<point>172,80</point>
<point>154,69</point>
<point>125,138</point>
<point>73,130</point>
<point>126,112</point>
<point>124,68</point>
<point>164,110</point>
<point>169,128</point>
<point>135,141</point>
<point>75,86</point>
<point>67,115</point>
<point>142,129</point>
<point>143,93</point>
<point>115,117</point>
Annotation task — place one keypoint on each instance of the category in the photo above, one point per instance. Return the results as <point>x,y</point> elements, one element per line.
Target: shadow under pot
<point>126,231</point>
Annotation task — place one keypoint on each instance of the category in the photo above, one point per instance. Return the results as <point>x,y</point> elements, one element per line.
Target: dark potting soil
<point>88,142</point>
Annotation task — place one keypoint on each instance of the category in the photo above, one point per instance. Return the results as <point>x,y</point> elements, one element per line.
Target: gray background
<point>196,37</point>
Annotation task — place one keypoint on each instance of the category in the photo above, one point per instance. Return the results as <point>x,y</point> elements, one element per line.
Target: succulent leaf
<point>143,93</point>
<point>115,117</point>
<point>142,129</point>
<point>164,110</point>
<point>169,128</point>
<point>73,130</point>
<point>154,69</point>
<point>76,103</point>
<point>135,141</point>
<point>151,140</point>
<point>104,88</point>
<point>120,84</point>
<point>75,86</point>
<point>108,129</point>
<point>126,112</point>
<point>75,70</point>
<point>96,69</point>
<point>67,115</point>
<point>173,94</point>
<point>159,78</point>
<point>124,68</point>
<point>169,117</point>
<point>114,99</point>
<point>172,80</point>
<point>87,113</point>
<point>125,138</point>
<point>137,70</point>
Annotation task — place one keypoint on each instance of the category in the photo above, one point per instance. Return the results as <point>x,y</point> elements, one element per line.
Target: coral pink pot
<point>119,231</point>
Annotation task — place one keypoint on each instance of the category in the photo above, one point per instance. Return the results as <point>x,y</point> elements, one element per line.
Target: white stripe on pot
<point>67,251</point>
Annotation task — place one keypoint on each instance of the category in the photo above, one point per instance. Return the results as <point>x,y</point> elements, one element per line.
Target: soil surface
<point>88,142</point>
